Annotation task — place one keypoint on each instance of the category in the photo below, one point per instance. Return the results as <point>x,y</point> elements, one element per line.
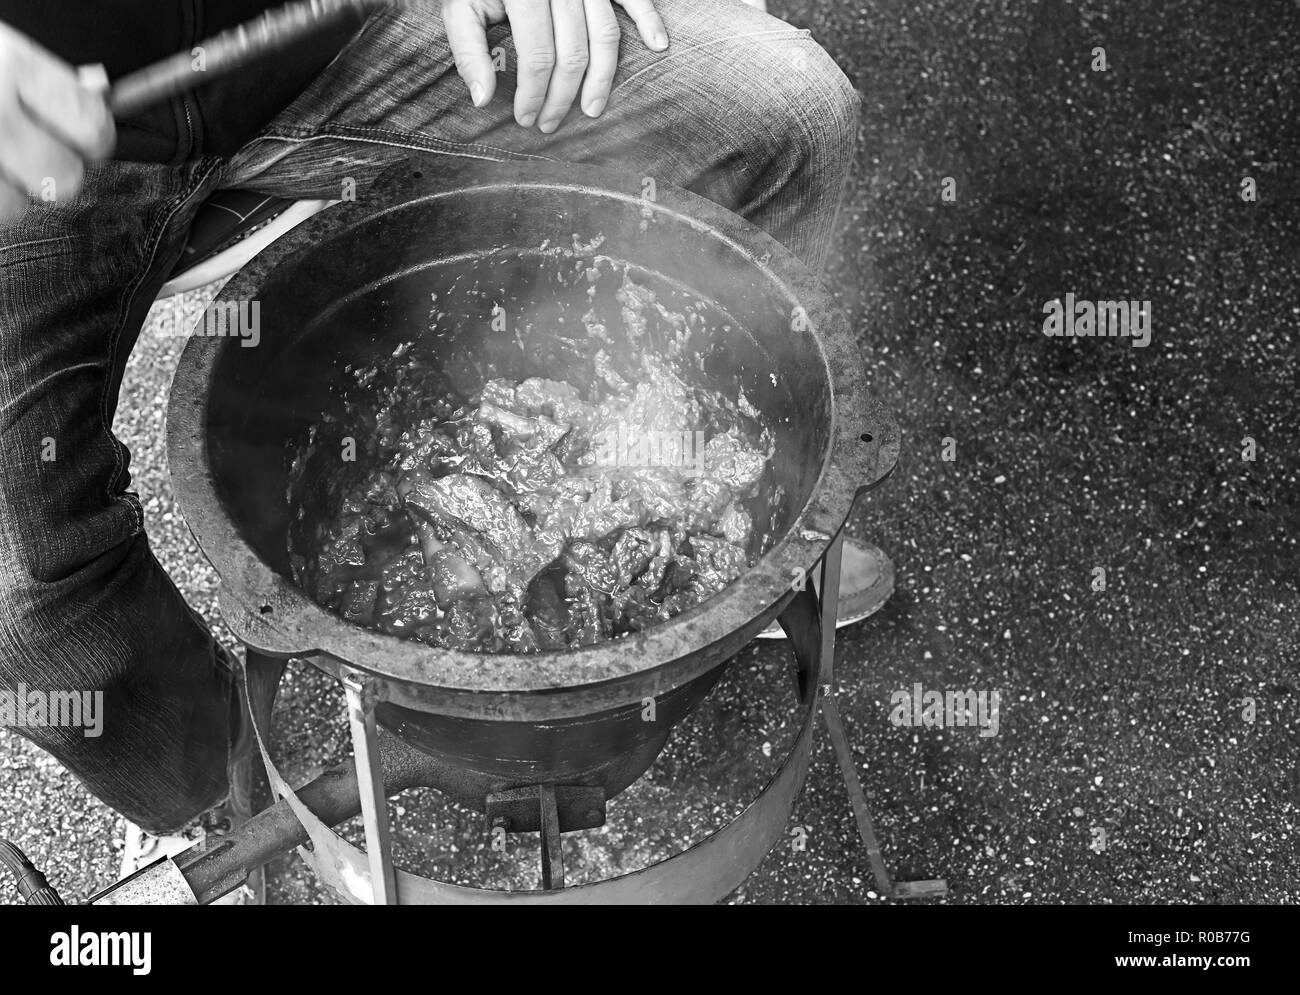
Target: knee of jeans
<point>807,101</point>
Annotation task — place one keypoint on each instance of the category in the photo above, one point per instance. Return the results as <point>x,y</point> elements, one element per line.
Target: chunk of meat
<point>729,459</point>
<point>453,576</point>
<point>472,505</point>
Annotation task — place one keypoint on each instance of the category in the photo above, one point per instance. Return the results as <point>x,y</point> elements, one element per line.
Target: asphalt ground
<point>1147,732</point>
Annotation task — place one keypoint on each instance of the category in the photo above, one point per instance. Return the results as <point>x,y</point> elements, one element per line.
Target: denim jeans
<point>742,109</point>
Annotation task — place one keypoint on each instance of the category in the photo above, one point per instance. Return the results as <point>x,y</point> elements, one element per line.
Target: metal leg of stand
<point>552,855</point>
<point>370,782</point>
<point>830,610</point>
<point>830,593</point>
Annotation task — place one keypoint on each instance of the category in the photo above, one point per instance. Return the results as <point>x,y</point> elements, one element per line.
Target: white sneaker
<point>866,582</point>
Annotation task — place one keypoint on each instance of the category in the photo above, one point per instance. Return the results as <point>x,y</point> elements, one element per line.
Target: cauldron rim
<point>268,611</point>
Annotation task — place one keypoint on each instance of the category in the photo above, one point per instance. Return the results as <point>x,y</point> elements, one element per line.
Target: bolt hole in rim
<point>663,657</point>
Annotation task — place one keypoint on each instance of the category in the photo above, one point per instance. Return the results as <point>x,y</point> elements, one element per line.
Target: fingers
<point>50,123</point>
<point>53,96</point>
<point>569,22</point>
<point>13,202</point>
<point>32,158</point>
<point>530,24</point>
<point>648,23</point>
<point>603,35</point>
<point>56,99</point>
<point>467,36</point>
<point>562,47</point>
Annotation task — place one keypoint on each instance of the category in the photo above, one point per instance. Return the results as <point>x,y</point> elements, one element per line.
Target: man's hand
<point>50,125</point>
<point>562,46</point>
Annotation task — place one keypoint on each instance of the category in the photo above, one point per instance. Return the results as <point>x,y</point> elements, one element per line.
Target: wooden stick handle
<point>272,32</point>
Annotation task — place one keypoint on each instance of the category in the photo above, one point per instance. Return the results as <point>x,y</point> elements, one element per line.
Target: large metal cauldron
<point>348,285</point>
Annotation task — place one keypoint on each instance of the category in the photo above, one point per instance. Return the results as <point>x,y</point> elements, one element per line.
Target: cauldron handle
<point>866,444</point>
<point>872,442</point>
<point>258,630</point>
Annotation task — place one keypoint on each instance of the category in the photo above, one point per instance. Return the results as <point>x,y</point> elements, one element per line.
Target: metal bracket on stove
<point>370,781</point>
<point>549,809</point>
<point>519,809</point>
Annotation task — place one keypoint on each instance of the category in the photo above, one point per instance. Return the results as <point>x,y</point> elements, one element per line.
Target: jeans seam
<point>152,241</point>
<point>37,241</point>
<point>402,138</point>
<point>51,254</point>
